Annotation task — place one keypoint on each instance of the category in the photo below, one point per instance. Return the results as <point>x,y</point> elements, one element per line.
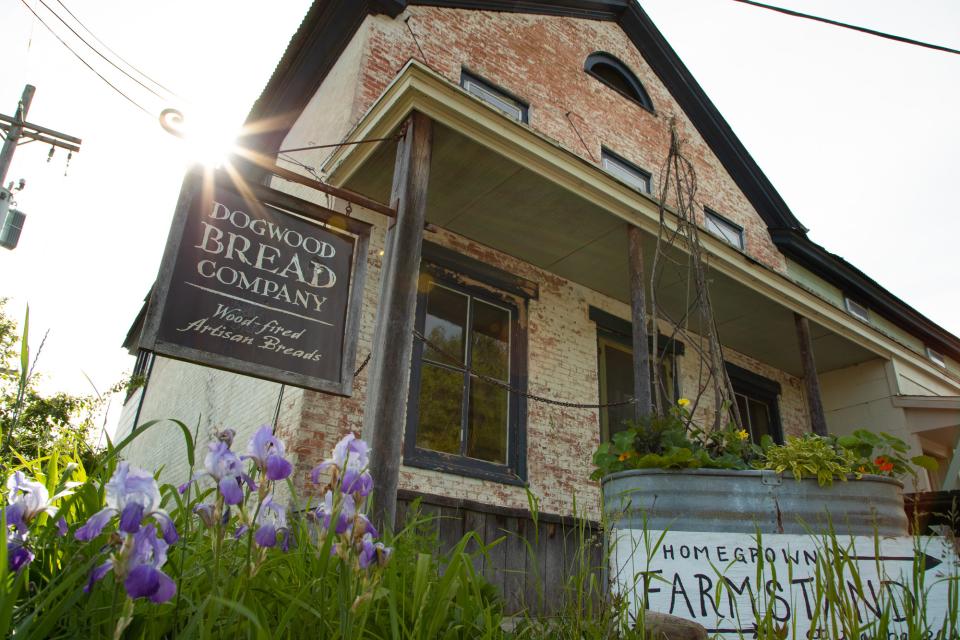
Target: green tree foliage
<point>34,423</point>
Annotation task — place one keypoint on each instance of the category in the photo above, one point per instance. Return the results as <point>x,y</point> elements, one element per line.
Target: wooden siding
<point>534,561</point>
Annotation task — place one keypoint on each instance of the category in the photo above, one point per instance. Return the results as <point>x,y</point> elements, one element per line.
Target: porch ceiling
<point>486,197</point>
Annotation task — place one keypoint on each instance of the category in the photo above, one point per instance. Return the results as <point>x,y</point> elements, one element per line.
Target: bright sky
<point>858,134</point>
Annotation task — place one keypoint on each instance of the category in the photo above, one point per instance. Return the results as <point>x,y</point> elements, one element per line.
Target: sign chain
<point>503,385</point>
<point>363,365</point>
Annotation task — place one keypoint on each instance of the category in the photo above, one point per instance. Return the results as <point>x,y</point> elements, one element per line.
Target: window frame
<point>709,215</point>
<point>859,311</point>
<point>141,368</point>
<point>602,57</point>
<point>514,472</point>
<point>606,155</point>
<point>936,357</point>
<point>467,76</point>
<point>619,332</point>
<point>761,389</point>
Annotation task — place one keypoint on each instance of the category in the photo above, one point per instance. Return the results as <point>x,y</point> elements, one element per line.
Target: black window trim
<point>467,74</point>
<point>141,367</point>
<point>515,471</point>
<point>760,388</point>
<point>602,57</point>
<point>605,152</point>
<point>620,331</point>
<point>710,213</point>
<point>623,329</point>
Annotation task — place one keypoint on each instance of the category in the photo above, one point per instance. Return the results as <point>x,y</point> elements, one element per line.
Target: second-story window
<point>723,228</point>
<point>625,171</point>
<point>618,76</point>
<point>857,310</point>
<point>494,96</point>
<point>937,358</point>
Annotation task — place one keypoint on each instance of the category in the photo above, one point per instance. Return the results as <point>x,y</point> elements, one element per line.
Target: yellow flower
<point>742,434</point>
<point>625,455</point>
<point>683,402</point>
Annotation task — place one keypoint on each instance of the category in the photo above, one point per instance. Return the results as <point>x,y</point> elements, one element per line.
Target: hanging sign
<point>726,581</point>
<point>258,282</point>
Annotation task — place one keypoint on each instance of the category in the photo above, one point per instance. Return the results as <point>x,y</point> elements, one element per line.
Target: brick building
<point>550,126</point>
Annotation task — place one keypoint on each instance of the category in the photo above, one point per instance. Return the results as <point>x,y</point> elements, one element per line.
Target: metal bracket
<point>770,478</point>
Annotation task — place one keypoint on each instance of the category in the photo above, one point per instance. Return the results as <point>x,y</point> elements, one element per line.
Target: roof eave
<point>862,287</point>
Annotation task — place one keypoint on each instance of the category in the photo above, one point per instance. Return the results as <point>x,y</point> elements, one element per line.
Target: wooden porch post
<point>810,380</point>
<point>389,379</point>
<point>638,316</point>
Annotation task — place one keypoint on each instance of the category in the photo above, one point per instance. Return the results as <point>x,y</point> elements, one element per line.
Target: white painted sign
<point>726,582</point>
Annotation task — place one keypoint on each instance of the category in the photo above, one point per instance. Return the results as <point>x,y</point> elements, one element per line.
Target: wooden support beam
<point>818,419</point>
<point>638,311</point>
<point>389,380</point>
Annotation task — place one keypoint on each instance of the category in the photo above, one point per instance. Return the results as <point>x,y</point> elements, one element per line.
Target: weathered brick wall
<point>540,60</point>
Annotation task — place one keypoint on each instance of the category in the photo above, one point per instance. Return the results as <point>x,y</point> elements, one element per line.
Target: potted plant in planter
<point>666,472</point>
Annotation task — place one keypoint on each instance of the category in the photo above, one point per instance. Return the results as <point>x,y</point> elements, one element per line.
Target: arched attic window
<point>616,75</point>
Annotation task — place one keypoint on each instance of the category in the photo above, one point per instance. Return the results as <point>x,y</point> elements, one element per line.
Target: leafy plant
<point>673,441</point>
<point>676,441</point>
<point>883,454</point>
<point>811,455</point>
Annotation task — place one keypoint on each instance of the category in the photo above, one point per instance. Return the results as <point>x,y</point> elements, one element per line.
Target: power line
<point>97,51</point>
<point>845,25</point>
<point>107,47</point>
<point>85,63</point>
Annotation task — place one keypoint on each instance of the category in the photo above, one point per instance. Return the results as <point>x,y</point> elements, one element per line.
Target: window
<point>936,358</point>
<point>723,228</point>
<point>618,77</point>
<point>625,171</point>
<point>141,369</point>
<point>458,422</point>
<point>856,309</point>
<point>615,369</point>
<point>494,96</point>
<point>758,403</point>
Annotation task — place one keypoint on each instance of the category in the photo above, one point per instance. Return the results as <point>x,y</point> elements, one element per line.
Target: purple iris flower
<point>362,526</point>
<point>351,457</point>
<point>26,500</point>
<point>207,514</point>
<point>18,556</point>
<point>266,450</point>
<point>348,512</point>
<point>133,495</point>
<point>371,552</point>
<point>272,519</point>
<point>144,579</point>
<point>225,467</point>
<point>97,575</point>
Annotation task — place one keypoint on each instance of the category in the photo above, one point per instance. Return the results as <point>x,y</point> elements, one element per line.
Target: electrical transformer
<point>12,221</point>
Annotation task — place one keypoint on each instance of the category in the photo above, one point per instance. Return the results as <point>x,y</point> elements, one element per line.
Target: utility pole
<point>14,129</point>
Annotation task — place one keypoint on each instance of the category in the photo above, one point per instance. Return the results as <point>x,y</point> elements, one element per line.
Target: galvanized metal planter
<point>743,501</point>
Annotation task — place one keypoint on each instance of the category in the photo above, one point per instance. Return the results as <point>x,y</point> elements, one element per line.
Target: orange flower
<point>883,464</point>
<point>862,469</point>
<point>625,455</point>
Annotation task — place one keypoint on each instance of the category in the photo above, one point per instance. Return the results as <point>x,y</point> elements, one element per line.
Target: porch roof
<point>502,184</point>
